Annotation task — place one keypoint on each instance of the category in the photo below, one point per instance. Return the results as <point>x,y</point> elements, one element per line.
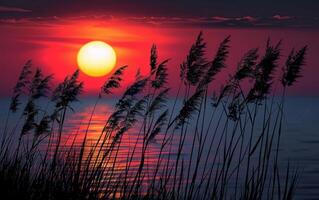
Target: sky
<point>51,33</point>
<point>182,8</point>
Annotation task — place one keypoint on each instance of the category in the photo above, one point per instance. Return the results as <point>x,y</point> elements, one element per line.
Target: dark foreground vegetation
<point>229,157</point>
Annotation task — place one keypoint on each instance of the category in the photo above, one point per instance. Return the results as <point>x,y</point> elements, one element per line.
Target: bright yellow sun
<point>96,58</point>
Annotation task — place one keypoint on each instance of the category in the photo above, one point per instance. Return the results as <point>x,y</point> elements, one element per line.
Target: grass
<point>233,151</point>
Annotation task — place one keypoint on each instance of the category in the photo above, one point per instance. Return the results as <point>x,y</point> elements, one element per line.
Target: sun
<point>96,58</point>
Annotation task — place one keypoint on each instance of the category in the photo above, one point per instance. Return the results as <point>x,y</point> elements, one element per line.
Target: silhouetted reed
<point>195,63</point>
<point>232,150</point>
<point>18,91</point>
<point>65,93</point>
<point>292,71</point>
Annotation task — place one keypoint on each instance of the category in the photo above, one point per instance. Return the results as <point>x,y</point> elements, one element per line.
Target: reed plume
<point>130,93</point>
<point>153,58</point>
<point>217,64</point>
<point>64,94</point>
<point>39,87</point>
<point>292,70</point>
<point>129,119</point>
<point>194,65</point>
<point>124,105</point>
<point>43,127</point>
<point>67,91</point>
<point>160,75</point>
<point>21,85</point>
<point>263,73</point>
<point>190,106</point>
<point>113,81</point>
<point>245,68</point>
<point>158,126</point>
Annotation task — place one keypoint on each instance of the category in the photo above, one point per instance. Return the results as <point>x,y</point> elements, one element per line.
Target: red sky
<point>52,44</point>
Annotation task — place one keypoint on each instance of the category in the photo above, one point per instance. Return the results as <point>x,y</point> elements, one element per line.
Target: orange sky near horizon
<point>53,47</point>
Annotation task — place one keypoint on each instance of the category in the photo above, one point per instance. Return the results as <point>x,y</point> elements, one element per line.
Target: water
<point>299,144</point>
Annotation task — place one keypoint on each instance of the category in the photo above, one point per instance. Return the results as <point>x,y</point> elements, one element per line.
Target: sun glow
<point>96,58</point>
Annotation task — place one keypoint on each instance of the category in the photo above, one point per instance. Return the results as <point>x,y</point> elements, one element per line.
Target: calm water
<point>299,144</point>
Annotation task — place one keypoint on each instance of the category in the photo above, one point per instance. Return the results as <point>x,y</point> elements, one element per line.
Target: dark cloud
<point>219,12</point>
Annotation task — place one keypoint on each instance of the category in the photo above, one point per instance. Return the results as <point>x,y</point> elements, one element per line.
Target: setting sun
<point>96,58</point>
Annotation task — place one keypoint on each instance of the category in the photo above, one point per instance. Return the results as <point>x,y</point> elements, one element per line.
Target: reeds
<point>220,147</point>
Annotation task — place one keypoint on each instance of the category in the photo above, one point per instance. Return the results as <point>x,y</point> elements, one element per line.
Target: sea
<point>299,145</point>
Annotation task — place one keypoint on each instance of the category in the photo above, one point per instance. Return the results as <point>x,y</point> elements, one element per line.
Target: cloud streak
<point>223,21</point>
<point>279,17</point>
<point>275,21</point>
<point>13,9</point>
